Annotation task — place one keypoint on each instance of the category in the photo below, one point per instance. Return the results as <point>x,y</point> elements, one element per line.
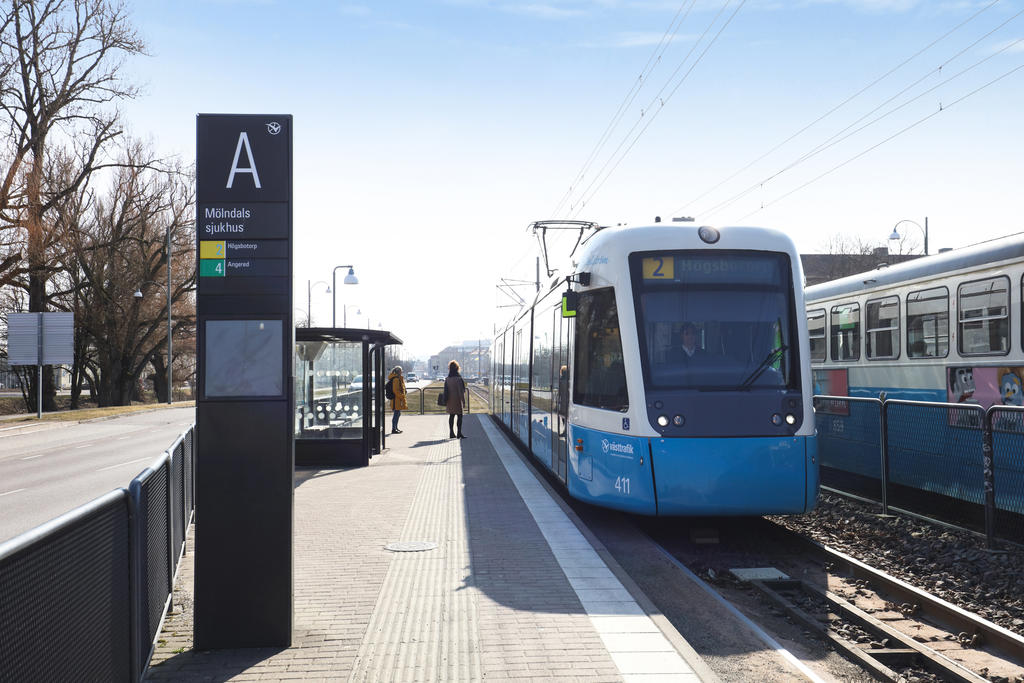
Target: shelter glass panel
<point>328,388</point>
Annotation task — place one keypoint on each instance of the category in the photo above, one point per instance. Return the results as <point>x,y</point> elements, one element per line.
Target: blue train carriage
<point>943,328</point>
<point>679,385</point>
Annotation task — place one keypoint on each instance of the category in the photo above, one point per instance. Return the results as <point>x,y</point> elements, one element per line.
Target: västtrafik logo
<point>613,447</point>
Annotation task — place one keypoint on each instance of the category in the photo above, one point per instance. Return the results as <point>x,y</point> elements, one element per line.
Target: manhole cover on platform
<point>410,546</point>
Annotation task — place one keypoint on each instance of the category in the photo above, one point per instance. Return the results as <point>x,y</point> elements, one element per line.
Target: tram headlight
<point>678,420</point>
<point>790,419</point>
<point>776,419</point>
<point>663,420</point>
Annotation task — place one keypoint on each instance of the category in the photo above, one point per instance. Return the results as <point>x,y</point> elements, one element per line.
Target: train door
<point>497,371</point>
<point>517,364</point>
<point>522,378</point>
<point>563,354</point>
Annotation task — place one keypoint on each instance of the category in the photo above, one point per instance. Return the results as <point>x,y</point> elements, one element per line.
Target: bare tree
<point>842,255</point>
<point>119,247</point>
<point>60,63</point>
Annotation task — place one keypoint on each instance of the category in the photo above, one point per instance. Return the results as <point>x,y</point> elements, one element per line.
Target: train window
<point>846,332</point>
<point>882,328</point>
<point>984,317</point>
<point>928,323</point>
<point>600,377</point>
<point>816,331</point>
<point>725,320</point>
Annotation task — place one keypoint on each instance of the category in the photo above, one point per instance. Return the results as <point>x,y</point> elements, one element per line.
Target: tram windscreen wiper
<point>773,356</point>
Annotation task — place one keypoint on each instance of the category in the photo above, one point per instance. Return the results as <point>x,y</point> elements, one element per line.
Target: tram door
<point>517,361</point>
<point>562,352</point>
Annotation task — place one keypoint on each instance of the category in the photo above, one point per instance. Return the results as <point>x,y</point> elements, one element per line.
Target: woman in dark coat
<point>454,389</point>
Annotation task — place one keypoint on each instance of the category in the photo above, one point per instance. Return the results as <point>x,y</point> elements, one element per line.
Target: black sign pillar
<point>245,351</point>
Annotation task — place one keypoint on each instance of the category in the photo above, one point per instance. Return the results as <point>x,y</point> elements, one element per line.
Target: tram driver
<point>687,347</point>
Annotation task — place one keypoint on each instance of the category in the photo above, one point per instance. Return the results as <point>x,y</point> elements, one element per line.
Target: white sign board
<point>58,338</point>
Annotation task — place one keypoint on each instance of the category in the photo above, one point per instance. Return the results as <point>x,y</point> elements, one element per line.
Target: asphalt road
<point>49,471</point>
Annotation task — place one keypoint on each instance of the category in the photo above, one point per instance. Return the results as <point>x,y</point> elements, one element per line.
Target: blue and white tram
<point>681,386</point>
<point>939,328</point>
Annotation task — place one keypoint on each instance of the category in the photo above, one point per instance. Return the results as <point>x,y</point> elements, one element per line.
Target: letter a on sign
<point>243,141</point>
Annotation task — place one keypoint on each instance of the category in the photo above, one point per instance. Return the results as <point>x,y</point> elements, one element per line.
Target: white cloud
<point>643,39</point>
<point>542,11</point>
<point>354,10</point>
<point>1012,46</point>
<point>871,5</point>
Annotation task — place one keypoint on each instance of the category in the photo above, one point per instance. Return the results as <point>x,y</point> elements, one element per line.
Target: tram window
<point>816,331</point>
<point>845,332</point>
<point>882,328</point>
<point>928,323</point>
<point>600,377</point>
<point>984,317</point>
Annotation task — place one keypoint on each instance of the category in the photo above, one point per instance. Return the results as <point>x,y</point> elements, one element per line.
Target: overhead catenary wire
<point>941,109</point>
<point>631,95</point>
<point>838,137</point>
<point>839,106</point>
<point>628,99</point>
<point>584,198</point>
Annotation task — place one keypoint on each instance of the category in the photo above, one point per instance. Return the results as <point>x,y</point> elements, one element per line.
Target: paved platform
<point>513,590</point>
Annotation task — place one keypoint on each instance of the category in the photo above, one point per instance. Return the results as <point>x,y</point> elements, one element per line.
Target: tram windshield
<point>715,320</point>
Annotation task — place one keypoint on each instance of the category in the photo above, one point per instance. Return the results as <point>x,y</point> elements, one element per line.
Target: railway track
<point>885,626</point>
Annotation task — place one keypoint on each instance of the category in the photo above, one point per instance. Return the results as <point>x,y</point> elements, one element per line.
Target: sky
<point>429,134</point>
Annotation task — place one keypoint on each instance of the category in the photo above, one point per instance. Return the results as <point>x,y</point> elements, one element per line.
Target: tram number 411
<point>622,485</point>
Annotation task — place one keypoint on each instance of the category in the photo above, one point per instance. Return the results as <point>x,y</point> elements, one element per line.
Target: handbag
<point>442,398</point>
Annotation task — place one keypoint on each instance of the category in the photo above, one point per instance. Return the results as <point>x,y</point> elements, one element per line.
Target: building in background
<point>474,357</point>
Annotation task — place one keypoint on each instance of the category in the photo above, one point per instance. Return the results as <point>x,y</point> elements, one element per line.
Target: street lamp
<point>350,279</point>
<point>138,295</point>
<point>344,312</point>
<point>896,235</point>
<point>309,299</point>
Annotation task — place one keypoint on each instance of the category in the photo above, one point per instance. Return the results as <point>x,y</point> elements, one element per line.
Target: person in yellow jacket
<point>398,403</point>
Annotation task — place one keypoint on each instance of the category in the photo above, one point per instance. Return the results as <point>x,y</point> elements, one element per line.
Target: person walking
<point>398,402</point>
<point>454,389</point>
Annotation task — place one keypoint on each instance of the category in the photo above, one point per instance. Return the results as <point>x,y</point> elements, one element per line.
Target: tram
<point>939,328</point>
<point>672,378</point>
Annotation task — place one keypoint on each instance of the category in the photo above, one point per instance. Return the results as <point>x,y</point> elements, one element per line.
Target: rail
<point>84,594</point>
<point>956,462</point>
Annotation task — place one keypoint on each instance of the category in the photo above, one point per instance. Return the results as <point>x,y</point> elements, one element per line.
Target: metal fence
<point>82,596</point>
<point>955,462</point>
<point>423,401</point>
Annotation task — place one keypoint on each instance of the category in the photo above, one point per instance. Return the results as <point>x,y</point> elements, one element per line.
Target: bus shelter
<point>339,395</point>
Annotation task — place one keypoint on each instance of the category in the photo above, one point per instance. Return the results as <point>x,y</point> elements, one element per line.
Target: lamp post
<point>896,235</point>
<point>138,295</point>
<point>350,279</point>
<point>344,312</point>
<point>309,299</point>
